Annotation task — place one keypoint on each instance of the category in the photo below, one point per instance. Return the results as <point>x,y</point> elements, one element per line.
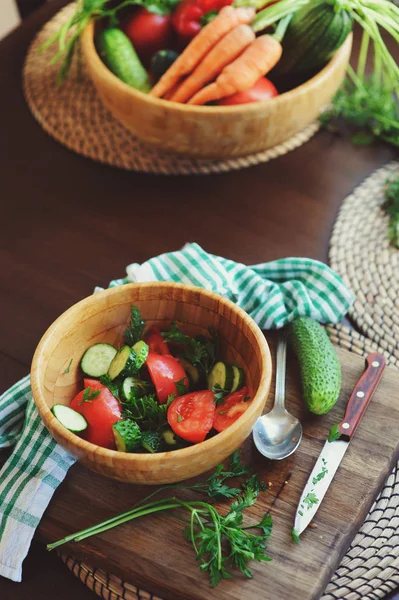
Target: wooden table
<point>70,224</point>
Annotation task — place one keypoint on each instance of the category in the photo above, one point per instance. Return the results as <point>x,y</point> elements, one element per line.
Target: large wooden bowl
<point>103,317</point>
<point>214,132</point>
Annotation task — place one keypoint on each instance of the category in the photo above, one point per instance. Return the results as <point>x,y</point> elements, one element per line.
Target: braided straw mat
<point>360,252</point>
<point>74,116</point>
<point>370,569</point>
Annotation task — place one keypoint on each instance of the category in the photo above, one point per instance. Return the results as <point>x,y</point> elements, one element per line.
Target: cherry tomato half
<point>233,406</point>
<point>191,416</point>
<point>100,413</point>
<point>262,90</point>
<point>165,371</point>
<point>148,33</point>
<point>156,342</point>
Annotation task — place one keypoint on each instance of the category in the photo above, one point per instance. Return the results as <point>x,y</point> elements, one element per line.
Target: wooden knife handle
<point>362,394</point>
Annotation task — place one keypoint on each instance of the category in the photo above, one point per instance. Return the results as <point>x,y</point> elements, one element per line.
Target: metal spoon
<point>278,433</point>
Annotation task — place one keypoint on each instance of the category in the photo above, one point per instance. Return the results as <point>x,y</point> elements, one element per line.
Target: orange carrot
<point>240,75</point>
<point>221,55</point>
<point>225,21</point>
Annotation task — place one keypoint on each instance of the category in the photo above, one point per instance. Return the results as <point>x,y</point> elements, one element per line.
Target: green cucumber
<point>315,32</point>
<point>69,418</point>
<point>117,52</point>
<point>123,364</point>
<point>161,61</point>
<point>239,378</point>
<point>193,373</point>
<point>133,388</point>
<point>141,350</point>
<point>97,359</point>
<point>221,374</point>
<point>170,437</point>
<point>319,364</point>
<point>127,435</point>
<point>152,441</point>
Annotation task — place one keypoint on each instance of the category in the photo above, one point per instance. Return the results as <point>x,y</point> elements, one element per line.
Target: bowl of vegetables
<point>151,383</point>
<point>196,83</point>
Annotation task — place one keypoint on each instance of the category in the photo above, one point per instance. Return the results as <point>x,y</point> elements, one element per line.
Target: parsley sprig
<point>221,543</point>
<point>136,327</point>
<point>200,351</point>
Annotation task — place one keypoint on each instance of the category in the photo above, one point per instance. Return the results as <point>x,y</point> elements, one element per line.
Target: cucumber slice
<point>221,374</point>
<point>127,435</point>
<point>124,363</point>
<point>152,441</point>
<point>170,437</point>
<point>239,378</point>
<point>141,349</point>
<point>134,388</point>
<point>69,418</point>
<point>97,359</point>
<point>192,373</point>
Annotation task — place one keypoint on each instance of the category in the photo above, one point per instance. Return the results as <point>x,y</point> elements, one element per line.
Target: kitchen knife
<point>334,450</point>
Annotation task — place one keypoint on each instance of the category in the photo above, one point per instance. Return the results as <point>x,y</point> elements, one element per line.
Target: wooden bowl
<point>102,318</point>
<point>212,131</point>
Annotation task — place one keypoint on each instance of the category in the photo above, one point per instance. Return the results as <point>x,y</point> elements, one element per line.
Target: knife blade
<point>334,451</point>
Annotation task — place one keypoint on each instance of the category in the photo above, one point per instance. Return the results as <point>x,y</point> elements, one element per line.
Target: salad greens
<point>220,543</point>
<point>200,351</point>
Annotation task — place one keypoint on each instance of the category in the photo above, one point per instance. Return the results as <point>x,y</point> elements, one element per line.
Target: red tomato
<point>93,383</point>
<point>191,416</point>
<point>100,413</point>
<point>232,407</point>
<point>262,90</point>
<point>165,371</point>
<point>148,32</point>
<point>156,342</point>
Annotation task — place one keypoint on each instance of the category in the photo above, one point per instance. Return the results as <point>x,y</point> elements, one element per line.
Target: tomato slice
<point>100,413</point>
<point>233,406</point>
<point>191,416</point>
<point>93,383</point>
<point>165,371</point>
<point>155,341</point>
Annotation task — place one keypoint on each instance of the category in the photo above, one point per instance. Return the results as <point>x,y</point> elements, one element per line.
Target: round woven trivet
<point>370,568</point>
<point>360,252</point>
<point>74,116</point>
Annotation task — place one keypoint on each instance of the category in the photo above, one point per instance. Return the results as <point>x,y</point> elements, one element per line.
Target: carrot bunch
<point>223,59</point>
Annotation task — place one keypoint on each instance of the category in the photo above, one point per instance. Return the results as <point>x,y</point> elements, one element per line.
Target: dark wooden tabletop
<point>69,224</point>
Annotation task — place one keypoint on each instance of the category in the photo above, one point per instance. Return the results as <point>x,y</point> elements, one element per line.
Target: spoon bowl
<point>278,433</point>
<point>276,436</point>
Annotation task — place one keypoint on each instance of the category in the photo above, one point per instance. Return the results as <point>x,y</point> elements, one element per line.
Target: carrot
<point>224,22</point>
<point>221,55</point>
<point>240,75</point>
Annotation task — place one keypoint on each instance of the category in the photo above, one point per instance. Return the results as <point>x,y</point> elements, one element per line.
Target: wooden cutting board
<point>153,554</point>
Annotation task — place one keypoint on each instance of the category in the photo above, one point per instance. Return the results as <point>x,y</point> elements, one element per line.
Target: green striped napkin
<point>272,293</point>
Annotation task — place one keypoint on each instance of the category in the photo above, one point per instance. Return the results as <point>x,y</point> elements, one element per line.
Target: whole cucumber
<point>319,364</point>
<point>117,52</point>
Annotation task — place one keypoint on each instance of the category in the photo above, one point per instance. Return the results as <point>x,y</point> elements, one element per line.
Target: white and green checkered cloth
<point>272,293</point>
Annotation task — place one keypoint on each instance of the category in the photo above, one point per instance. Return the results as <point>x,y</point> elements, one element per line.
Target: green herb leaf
<point>181,386</point>
<point>320,475</point>
<point>295,535</point>
<point>179,418</point>
<point>391,208</point>
<point>219,394</point>
<point>147,411</point>
<point>310,499</point>
<point>334,434</point>
<point>136,327</point>
<point>68,367</point>
<point>113,386</point>
<point>89,395</point>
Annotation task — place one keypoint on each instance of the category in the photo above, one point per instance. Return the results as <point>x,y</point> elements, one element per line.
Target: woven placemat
<point>74,116</point>
<point>370,568</point>
<point>360,252</point>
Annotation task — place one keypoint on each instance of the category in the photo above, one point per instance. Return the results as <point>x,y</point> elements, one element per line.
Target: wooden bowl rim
<point>51,422</point>
<point>90,50</point>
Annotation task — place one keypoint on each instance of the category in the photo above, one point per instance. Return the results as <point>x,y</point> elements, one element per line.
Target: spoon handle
<point>279,400</point>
